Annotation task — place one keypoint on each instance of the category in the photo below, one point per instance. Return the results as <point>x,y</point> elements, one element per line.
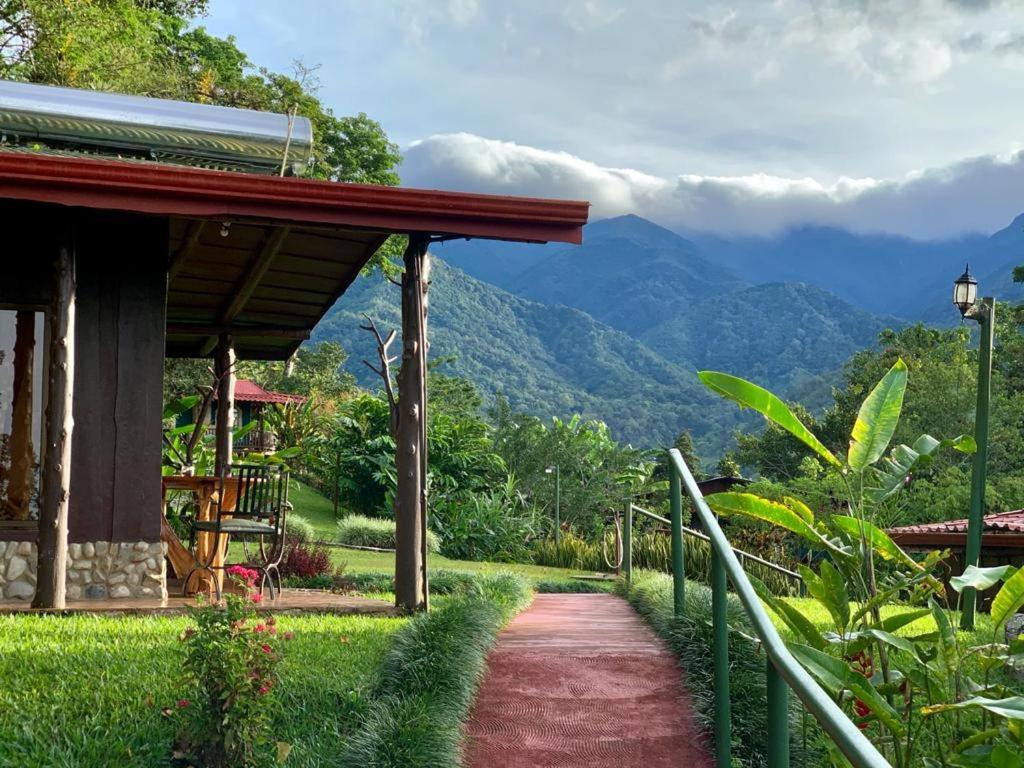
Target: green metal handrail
<point>743,556</point>
<point>783,671</point>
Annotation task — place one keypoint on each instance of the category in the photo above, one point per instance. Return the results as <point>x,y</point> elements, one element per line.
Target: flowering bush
<point>303,560</point>
<point>231,658</point>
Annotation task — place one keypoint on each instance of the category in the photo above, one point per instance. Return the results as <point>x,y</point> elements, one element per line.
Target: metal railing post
<point>720,658</point>
<point>678,565</point>
<point>627,542</point>
<point>778,718</point>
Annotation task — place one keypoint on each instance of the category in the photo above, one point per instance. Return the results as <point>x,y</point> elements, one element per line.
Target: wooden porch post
<point>52,548</point>
<point>19,487</point>
<point>411,443</point>
<point>224,369</point>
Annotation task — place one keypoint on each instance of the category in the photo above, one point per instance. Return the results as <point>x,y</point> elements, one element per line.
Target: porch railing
<point>783,671</point>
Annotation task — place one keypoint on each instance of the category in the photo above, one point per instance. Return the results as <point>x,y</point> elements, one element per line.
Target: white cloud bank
<point>980,194</point>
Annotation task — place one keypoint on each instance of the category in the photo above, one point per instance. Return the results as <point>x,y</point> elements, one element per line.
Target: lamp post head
<point>965,292</point>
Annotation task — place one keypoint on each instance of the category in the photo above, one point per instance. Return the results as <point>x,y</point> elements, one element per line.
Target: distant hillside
<point>788,336</point>
<point>548,360</point>
<point>629,273</point>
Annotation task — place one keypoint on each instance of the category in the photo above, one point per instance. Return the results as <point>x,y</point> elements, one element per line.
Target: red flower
<point>256,597</point>
<point>182,703</point>
<point>267,649</point>
<point>264,689</point>
<point>272,630</point>
<point>259,628</point>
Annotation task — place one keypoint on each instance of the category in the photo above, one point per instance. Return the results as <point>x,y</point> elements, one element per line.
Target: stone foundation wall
<point>96,570</point>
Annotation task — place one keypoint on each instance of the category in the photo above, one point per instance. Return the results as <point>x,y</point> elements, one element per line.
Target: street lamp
<point>554,469</point>
<point>965,297</point>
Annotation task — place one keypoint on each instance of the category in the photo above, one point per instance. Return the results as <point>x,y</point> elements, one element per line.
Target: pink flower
<point>259,628</point>
<point>182,703</point>
<point>288,635</point>
<point>267,649</point>
<point>256,597</point>
<point>264,689</point>
<point>272,630</point>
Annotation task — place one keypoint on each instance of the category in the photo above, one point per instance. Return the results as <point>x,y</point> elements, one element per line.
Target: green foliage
<point>863,664</point>
<point>362,531</point>
<point>595,471</point>
<point>427,682</point>
<point>495,525</point>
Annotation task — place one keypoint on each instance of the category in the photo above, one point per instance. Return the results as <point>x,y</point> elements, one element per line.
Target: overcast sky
<point>902,116</point>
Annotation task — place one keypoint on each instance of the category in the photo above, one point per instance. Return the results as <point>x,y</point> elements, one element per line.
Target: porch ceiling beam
<point>250,281</point>
<point>186,249</point>
<point>240,331</point>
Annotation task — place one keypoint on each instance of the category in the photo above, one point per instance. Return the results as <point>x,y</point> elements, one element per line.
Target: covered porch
<point>113,265</point>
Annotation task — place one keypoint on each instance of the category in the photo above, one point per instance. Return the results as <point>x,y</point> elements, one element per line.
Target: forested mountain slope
<point>548,360</point>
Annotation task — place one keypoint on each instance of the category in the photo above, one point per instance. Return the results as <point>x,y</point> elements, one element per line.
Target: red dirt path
<point>581,680</point>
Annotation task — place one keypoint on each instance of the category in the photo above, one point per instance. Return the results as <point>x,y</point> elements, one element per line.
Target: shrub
<point>304,561</point>
<point>300,528</point>
<point>231,658</point>
<point>428,679</point>
<point>361,531</point>
<point>496,525</point>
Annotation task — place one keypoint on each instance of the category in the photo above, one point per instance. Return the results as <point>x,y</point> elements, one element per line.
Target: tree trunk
<point>224,369</point>
<point>410,456</point>
<point>19,487</point>
<point>52,549</point>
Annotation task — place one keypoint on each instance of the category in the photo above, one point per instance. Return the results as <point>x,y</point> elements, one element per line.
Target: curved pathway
<point>581,680</point>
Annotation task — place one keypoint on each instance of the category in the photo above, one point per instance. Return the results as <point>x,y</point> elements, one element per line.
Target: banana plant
<point>897,681</point>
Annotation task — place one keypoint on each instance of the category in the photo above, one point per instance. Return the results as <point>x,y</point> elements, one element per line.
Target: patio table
<point>205,488</point>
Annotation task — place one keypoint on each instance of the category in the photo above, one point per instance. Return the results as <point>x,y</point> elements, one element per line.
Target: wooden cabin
<point>111,265</point>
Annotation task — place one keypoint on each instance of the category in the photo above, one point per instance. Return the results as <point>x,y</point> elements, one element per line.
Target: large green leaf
<point>903,460</point>
<point>1008,599</point>
<point>799,624</point>
<point>1011,708</point>
<point>835,677</point>
<point>749,395</point>
<point>877,539</point>
<point>877,419</point>
<point>832,595</point>
<point>981,578</point>
<point>758,508</point>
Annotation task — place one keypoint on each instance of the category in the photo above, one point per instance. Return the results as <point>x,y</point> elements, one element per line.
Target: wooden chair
<point>258,516</point>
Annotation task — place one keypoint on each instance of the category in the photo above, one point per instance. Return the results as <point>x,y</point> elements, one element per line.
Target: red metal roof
<point>172,190</point>
<point>1003,530</point>
<point>1011,522</point>
<point>248,391</point>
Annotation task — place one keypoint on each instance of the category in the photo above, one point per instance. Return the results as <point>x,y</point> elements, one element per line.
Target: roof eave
<point>155,188</point>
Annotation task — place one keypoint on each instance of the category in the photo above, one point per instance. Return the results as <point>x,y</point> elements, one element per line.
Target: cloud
<point>980,194</point>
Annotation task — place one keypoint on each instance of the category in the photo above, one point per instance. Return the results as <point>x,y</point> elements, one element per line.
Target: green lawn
<point>319,512</point>
<point>88,690</point>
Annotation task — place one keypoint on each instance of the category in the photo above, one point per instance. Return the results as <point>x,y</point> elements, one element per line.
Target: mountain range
<point>617,327</point>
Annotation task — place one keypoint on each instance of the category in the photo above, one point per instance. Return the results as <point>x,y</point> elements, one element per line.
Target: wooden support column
<point>19,487</point>
<point>411,443</point>
<point>224,369</point>
<point>52,549</point>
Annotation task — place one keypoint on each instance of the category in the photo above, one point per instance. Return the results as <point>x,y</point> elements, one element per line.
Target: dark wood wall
<point>119,356</point>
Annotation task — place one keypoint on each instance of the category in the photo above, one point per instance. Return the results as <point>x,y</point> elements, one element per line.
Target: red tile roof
<point>1010,522</point>
<point>247,391</point>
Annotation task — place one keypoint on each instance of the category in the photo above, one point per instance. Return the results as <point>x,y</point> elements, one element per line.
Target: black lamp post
<point>965,297</point>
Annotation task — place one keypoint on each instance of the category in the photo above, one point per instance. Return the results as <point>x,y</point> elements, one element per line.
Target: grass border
<point>690,638</point>
<point>429,678</point>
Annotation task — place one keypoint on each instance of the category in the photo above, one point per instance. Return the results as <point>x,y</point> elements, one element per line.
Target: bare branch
<point>385,369</point>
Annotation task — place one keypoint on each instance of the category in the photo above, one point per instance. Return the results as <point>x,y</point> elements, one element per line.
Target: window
<point>21,413</point>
